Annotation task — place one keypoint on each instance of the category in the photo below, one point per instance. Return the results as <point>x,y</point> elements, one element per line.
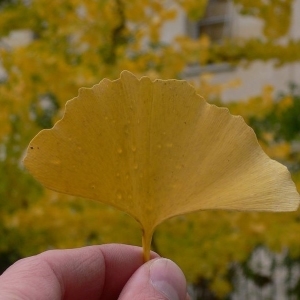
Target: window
<point>215,23</point>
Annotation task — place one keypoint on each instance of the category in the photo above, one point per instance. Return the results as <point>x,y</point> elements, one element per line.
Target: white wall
<point>255,77</point>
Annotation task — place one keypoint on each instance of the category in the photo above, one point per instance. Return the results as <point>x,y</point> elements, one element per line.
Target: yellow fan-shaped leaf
<point>157,150</point>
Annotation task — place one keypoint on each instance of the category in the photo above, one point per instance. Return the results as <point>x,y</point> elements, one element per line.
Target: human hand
<point>111,271</point>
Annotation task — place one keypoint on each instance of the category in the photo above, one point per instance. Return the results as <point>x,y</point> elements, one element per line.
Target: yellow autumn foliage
<point>76,44</point>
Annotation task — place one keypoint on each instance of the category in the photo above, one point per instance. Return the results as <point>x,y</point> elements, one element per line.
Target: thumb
<point>159,279</point>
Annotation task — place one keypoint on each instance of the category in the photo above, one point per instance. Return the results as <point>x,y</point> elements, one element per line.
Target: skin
<point>109,271</point>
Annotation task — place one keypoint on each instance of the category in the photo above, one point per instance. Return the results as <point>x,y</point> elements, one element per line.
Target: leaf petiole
<point>146,242</point>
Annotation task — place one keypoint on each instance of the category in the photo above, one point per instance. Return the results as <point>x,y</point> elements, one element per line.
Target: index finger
<point>92,272</point>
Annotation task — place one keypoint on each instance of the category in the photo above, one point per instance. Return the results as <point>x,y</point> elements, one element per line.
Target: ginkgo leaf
<point>156,149</point>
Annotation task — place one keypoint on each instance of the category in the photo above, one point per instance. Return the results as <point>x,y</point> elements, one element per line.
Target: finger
<point>159,279</point>
<point>84,273</point>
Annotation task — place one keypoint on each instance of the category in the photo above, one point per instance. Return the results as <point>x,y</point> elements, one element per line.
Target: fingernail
<point>167,278</point>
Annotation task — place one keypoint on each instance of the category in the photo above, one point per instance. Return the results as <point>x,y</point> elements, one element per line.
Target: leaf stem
<point>146,242</point>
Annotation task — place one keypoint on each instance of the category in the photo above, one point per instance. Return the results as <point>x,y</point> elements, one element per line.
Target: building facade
<point>222,20</point>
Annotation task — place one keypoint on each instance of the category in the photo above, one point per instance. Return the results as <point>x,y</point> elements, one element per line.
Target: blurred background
<point>237,53</point>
